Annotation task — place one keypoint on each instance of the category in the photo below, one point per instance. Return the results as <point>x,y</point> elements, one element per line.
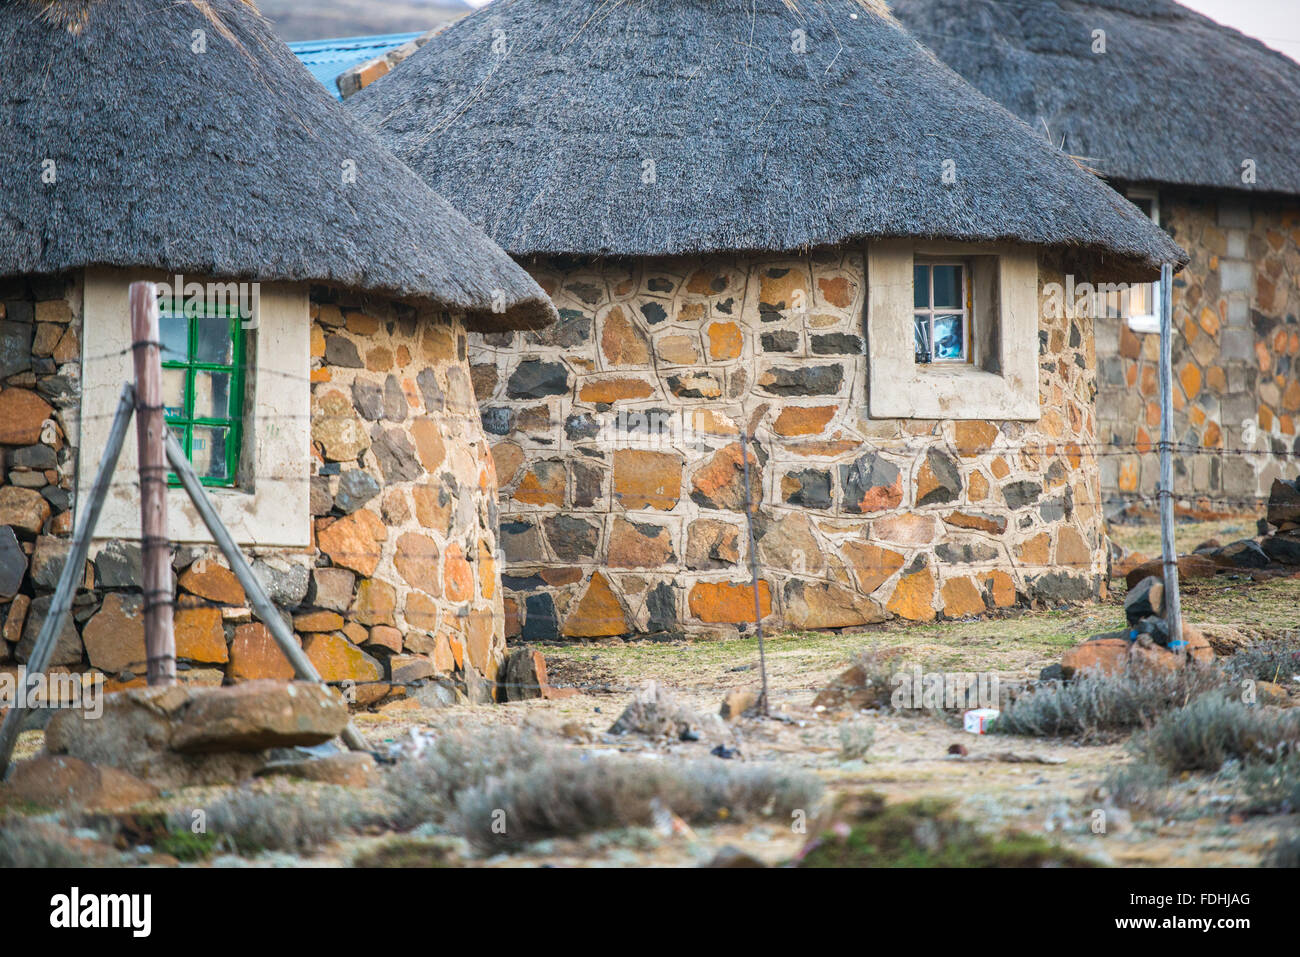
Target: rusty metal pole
<point>159,640</point>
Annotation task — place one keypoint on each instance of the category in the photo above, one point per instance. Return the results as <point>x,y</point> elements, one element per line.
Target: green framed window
<point>203,387</point>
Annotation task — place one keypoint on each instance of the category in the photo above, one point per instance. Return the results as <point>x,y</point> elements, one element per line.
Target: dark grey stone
<point>540,621</point>
<point>48,560</point>
<point>13,563</point>
<point>836,344</point>
<point>356,488</point>
<point>947,477</point>
<point>802,380</point>
<point>33,457</point>
<point>395,407</point>
<point>814,489</point>
<point>1283,549</point>
<point>15,346</point>
<point>67,648</point>
<point>580,426</point>
<point>285,582</point>
<point>1146,599</point>
<point>661,603</point>
<point>521,542</point>
<point>534,379</point>
<point>434,400</point>
<point>341,351</point>
<point>963,553</point>
<point>868,472</point>
<point>572,539</point>
<point>368,400</point>
<point>497,420</point>
<point>321,502</point>
<point>396,455</point>
<point>1022,494</point>
<point>783,340</point>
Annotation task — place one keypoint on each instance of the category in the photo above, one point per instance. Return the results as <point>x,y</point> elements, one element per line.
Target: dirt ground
<point>1039,786</point>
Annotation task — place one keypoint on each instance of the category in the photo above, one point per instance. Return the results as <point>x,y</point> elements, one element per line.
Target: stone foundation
<point>1235,354</point>
<point>400,585</point>
<point>616,440</point>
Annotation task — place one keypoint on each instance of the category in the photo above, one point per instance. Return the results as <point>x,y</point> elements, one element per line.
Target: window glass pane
<point>922,337</point>
<point>173,393</point>
<point>949,336</point>
<point>211,395</point>
<point>174,333</point>
<point>947,287</point>
<point>214,343</point>
<point>921,287</point>
<point>208,452</point>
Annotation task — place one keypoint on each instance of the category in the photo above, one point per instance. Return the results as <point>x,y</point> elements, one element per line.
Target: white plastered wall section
<point>900,388</point>
<point>274,510</point>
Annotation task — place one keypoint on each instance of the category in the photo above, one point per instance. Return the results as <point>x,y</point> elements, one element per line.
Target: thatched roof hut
<point>767,126</point>
<point>128,138</point>
<point>1172,97</point>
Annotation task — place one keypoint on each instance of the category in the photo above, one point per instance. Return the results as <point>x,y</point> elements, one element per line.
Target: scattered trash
<point>978,720</point>
<point>724,752</point>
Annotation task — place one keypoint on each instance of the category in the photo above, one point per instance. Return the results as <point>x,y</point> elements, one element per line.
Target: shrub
<point>1140,785</point>
<point>856,739</point>
<point>574,793</point>
<point>403,852</point>
<point>32,843</point>
<point>924,833</point>
<point>1214,728</point>
<point>1285,854</point>
<point>1274,786</point>
<point>253,820</point>
<point>423,787</point>
<point>1095,706</point>
<point>1277,661</point>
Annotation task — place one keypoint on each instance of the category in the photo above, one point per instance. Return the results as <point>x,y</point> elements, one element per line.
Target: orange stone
<point>621,342</point>
<point>1036,550</point>
<point>837,291</point>
<point>214,582</point>
<point>200,635</point>
<point>1072,550</point>
<point>977,489</point>
<point>457,575</point>
<point>606,391</point>
<point>543,484</point>
<point>1291,397</point>
<point>416,560</point>
<point>961,598</point>
<point>645,479</point>
<point>803,420</point>
<point>337,659</point>
<point>1190,376</point>
<point>1001,588</point>
<point>725,341</point>
<point>22,413</point>
<point>973,436</point>
<point>599,614</point>
<point>318,621</point>
<point>254,654</point>
<point>375,602</point>
<point>870,564</point>
<point>913,597</point>
<point>507,457</point>
<point>728,602</point>
<point>428,443</point>
<point>353,541</point>
<point>1103,656</point>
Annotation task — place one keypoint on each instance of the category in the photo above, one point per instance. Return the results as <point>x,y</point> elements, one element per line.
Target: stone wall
<point>1235,356</point>
<point>607,533</point>
<point>401,589</point>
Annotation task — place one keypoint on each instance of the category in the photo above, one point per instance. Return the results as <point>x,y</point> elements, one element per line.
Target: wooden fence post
<point>1173,603</point>
<point>159,590</point>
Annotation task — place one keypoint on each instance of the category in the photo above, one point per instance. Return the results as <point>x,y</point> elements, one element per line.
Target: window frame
<point>233,422</point>
<point>1143,322</point>
<point>967,308</point>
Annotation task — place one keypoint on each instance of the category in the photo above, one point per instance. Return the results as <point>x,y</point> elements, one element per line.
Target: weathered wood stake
<point>753,572</point>
<point>159,589</point>
<point>1173,604</point>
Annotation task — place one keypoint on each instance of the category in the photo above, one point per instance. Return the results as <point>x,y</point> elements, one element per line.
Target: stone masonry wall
<point>607,533</point>
<point>401,591</point>
<point>1236,353</point>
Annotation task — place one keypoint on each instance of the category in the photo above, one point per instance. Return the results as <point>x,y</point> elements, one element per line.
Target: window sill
<point>954,392</point>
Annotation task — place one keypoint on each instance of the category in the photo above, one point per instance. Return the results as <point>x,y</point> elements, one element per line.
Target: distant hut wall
<point>1236,356</point>
<point>616,440</point>
<point>361,428</point>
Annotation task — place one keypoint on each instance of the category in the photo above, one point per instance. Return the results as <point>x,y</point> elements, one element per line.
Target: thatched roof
<point>1176,98</point>
<point>545,138</point>
<point>227,163</point>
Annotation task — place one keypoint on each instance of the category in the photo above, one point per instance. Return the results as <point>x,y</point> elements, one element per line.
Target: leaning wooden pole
<point>253,588</point>
<point>1173,605</point>
<point>753,572</point>
<point>150,426</point>
<point>74,567</point>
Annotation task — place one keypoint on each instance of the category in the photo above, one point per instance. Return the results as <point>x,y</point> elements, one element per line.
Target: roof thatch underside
<point>1176,98</point>
<point>227,163</point>
<point>545,140</point>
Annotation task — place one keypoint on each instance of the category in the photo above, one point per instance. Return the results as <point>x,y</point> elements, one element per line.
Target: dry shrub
<point>1277,661</point>
<point>1095,706</point>
<point>252,820</point>
<point>1216,728</point>
<point>656,713</point>
<point>25,842</point>
<point>574,793</point>
<point>1274,786</point>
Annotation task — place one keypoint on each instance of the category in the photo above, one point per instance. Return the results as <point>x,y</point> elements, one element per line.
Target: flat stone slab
<point>260,715</point>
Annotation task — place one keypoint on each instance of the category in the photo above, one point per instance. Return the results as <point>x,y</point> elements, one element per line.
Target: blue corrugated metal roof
<point>326,59</point>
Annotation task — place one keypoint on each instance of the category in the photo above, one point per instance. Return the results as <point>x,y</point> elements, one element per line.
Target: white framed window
<point>268,504</point>
<point>991,370</point>
<point>942,311</point>
<point>1140,305</point>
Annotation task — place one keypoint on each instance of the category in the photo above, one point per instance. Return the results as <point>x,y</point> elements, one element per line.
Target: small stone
<point>337,659</point>
<point>938,481</point>
<point>354,541</point>
<point>67,648</point>
<point>254,654</point>
<point>405,669</point>
<point>816,605</point>
<point>729,602</point>
<point>638,545</point>
<point>871,484</point>
<point>119,565</point>
<point>114,637</point>
<point>318,621</point>
<point>214,582</point>
<point>386,637</point>
<point>913,597</point>
<point>417,560</point>
<point>533,379</point>
<point>342,352</point>
<point>23,508</point>
<point>356,488</point>
<point>375,603</point>
<point>285,581</point>
<point>13,563</point>
<point>736,703</point>
<point>1145,600</point>
<point>1102,656</point>
<point>337,428</point>
<point>22,415</point>
<point>332,588</point>
<point>598,614</point>
<point>200,635</point>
